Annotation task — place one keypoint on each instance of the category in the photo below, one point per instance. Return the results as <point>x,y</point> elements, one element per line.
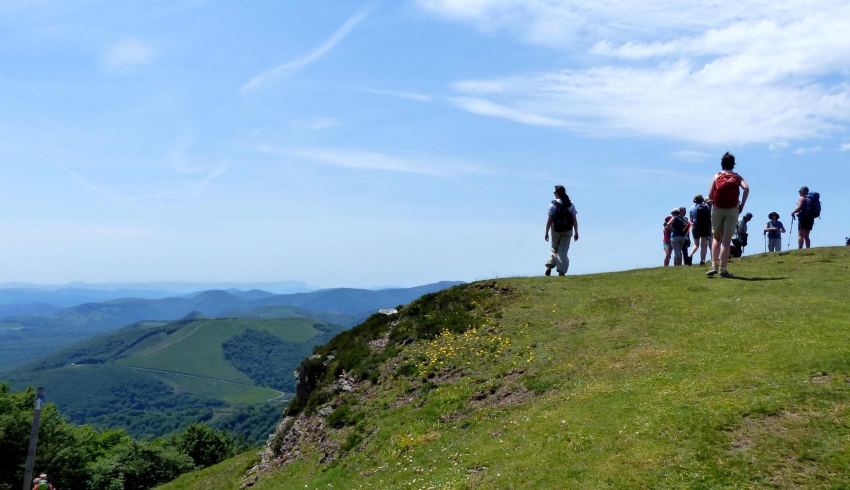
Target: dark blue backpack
<point>811,206</point>
<point>703,215</point>
<point>678,226</point>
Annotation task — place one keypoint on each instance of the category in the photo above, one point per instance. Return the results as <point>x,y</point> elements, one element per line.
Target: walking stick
<point>790,232</point>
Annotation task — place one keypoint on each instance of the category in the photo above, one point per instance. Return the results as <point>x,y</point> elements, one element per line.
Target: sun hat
<point>699,198</point>
<point>675,211</point>
<point>771,215</point>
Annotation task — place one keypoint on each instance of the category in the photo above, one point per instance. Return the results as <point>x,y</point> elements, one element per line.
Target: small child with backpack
<point>774,230</point>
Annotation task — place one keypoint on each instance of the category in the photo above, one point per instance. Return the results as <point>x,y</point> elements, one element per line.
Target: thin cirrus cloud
<point>290,67</point>
<point>402,94</point>
<point>375,161</point>
<point>845,147</point>
<point>727,72</point>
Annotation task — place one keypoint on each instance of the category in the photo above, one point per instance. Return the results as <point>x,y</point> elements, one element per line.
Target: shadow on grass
<point>759,278</point>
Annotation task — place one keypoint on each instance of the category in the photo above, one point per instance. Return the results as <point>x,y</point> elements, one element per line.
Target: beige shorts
<point>725,220</point>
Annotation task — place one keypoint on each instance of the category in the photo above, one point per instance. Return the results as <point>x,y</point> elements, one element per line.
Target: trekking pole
<point>790,232</point>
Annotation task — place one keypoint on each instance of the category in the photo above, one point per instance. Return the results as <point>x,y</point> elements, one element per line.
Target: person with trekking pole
<point>724,193</point>
<point>808,208</point>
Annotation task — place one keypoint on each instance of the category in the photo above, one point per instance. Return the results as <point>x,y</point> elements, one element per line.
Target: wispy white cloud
<point>524,115</point>
<point>805,151</point>
<point>718,72</point>
<point>778,146</point>
<point>402,94</point>
<point>369,160</point>
<point>845,147</point>
<point>127,54</point>
<point>295,65</point>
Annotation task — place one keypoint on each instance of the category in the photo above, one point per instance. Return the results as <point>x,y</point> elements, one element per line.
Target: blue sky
<point>365,144</point>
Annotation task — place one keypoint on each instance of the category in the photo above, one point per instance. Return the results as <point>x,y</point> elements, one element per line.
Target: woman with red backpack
<point>724,194</point>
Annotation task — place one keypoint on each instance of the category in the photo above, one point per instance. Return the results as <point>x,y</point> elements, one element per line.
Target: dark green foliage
<point>255,423</point>
<point>268,360</point>
<point>352,441</point>
<point>206,445</point>
<point>139,466</point>
<point>342,416</point>
<point>83,458</point>
<point>406,370</point>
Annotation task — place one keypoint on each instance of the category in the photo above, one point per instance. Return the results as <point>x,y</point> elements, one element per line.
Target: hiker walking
<point>808,208</point>
<point>564,223</point>
<point>724,193</point>
<point>774,230</point>
<point>700,227</point>
<point>41,483</point>
<point>678,230</point>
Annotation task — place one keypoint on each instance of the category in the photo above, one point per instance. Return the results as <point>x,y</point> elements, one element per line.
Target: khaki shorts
<point>725,220</point>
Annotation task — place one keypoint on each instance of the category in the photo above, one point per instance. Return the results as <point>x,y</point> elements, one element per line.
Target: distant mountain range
<point>119,312</point>
<point>168,288</point>
<point>34,329</point>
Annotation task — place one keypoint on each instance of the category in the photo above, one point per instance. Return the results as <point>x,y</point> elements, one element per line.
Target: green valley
<point>653,378</point>
<point>154,378</point>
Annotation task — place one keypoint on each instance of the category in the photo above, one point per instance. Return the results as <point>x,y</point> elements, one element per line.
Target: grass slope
<point>655,378</point>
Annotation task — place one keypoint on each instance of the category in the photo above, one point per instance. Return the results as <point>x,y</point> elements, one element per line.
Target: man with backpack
<point>725,192</point>
<point>808,208</point>
<point>700,227</point>
<point>563,223</point>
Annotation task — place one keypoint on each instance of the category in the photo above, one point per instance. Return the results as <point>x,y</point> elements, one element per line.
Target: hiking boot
<point>548,272</point>
<point>726,274</point>
<point>711,272</point>
<point>701,262</point>
<point>562,273</point>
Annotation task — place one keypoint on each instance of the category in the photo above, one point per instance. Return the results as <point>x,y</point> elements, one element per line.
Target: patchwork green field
<point>654,378</point>
<point>196,349</point>
<point>231,393</point>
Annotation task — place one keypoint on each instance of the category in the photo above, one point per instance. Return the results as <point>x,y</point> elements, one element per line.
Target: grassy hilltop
<point>654,378</point>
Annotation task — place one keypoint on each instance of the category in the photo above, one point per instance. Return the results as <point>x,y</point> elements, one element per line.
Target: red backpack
<point>726,190</point>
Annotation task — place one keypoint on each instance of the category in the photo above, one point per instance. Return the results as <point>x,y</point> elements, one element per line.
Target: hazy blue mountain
<point>37,308</point>
<point>170,288</point>
<point>67,297</point>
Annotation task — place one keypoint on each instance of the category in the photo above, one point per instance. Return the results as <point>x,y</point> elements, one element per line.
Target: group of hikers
<point>40,483</point>
<point>713,223</point>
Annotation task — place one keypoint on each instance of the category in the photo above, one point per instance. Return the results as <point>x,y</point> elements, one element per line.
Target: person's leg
<point>553,252</point>
<point>800,237</point>
<point>806,239</point>
<point>730,223</point>
<point>563,251</point>
<point>667,252</point>
<point>676,243</point>
<point>703,244</point>
<point>696,242</point>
